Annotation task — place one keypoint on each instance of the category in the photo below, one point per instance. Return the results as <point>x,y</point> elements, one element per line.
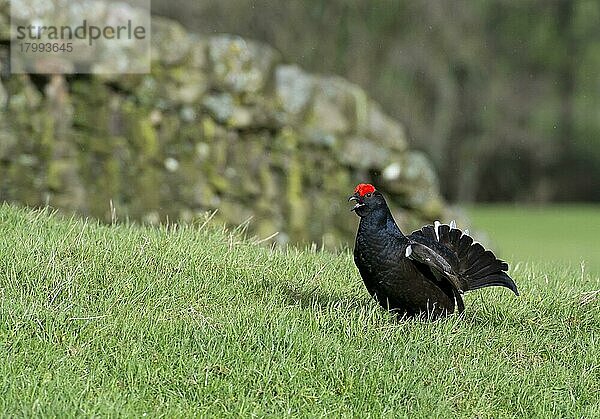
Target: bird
<point>426,273</point>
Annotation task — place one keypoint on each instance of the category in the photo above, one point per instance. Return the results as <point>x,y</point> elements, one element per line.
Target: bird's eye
<point>368,195</point>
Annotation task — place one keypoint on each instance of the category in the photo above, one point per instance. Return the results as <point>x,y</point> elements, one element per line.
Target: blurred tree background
<point>503,95</point>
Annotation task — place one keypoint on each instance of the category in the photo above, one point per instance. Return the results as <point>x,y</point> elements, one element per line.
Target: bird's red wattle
<point>364,188</point>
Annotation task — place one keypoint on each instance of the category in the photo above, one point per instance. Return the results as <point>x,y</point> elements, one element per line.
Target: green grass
<point>550,236</point>
<point>193,321</point>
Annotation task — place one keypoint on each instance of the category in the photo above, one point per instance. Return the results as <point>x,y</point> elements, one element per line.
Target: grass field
<point>193,321</point>
<point>550,236</point>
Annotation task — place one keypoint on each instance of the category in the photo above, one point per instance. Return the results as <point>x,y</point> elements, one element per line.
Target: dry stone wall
<point>220,123</point>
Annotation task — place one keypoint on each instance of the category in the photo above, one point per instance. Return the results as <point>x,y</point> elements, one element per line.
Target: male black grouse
<point>424,273</point>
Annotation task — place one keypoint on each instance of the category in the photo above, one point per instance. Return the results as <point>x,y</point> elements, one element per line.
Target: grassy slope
<point>129,320</point>
<point>560,234</point>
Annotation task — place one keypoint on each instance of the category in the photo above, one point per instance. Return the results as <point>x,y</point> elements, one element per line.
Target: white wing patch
<point>452,224</point>
<point>436,225</point>
<point>408,251</point>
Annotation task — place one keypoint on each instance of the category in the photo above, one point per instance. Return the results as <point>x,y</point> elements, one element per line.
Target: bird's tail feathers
<point>477,267</point>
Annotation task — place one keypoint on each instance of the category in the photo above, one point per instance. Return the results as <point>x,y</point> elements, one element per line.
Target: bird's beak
<point>359,202</point>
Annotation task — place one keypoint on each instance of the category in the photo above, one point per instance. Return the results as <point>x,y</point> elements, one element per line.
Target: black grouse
<point>424,273</point>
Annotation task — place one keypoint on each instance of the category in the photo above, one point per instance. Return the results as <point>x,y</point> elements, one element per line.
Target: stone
<point>118,57</point>
<point>198,58</point>
<point>360,153</point>
<point>220,106</point>
<point>413,178</point>
<point>392,171</point>
<point>333,107</point>
<point>202,150</point>
<point>8,142</point>
<point>319,137</point>
<point>188,114</point>
<point>240,66</point>
<point>241,117</point>
<point>327,117</point>
<point>188,87</point>
<point>293,88</point>
<point>170,42</point>
<point>171,164</point>
<point>383,130</point>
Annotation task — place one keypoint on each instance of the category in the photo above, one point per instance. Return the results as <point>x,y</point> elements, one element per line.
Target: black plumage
<point>424,273</point>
